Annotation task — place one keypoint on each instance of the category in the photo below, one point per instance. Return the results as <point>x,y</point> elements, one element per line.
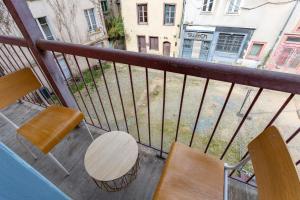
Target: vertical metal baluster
<point>180,108</point>
<point>41,102</point>
<point>33,98</point>
<point>148,106</point>
<point>25,65</point>
<point>3,67</point>
<point>163,114</point>
<point>12,47</point>
<point>219,118</point>
<point>199,111</point>
<point>242,122</point>
<point>98,93</point>
<point>280,109</point>
<point>8,70</point>
<point>65,78</point>
<point>77,88</point>
<point>36,74</point>
<point>120,94</point>
<point>244,156</point>
<point>293,135</point>
<point>7,65</point>
<point>108,93</point>
<point>2,70</point>
<point>13,58</point>
<point>250,178</point>
<point>134,105</point>
<point>8,59</point>
<point>88,91</point>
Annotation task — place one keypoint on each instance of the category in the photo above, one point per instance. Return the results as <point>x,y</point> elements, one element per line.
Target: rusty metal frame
<point>289,83</point>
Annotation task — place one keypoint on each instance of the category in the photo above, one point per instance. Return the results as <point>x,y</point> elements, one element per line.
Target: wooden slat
<point>16,85</point>
<point>190,175</point>
<point>276,173</point>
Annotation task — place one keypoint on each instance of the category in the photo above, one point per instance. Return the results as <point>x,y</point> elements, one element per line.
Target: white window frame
<point>232,12</point>
<point>169,16</point>
<point>207,6</point>
<point>89,22</point>
<point>42,30</point>
<point>143,13</point>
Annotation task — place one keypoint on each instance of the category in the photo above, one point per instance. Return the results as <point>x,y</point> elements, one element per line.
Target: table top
<point>111,156</point>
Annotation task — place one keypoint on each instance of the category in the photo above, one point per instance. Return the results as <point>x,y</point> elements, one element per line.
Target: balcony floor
<point>71,153</point>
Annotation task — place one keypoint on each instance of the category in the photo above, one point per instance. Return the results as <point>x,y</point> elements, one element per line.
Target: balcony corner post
<point>23,18</point>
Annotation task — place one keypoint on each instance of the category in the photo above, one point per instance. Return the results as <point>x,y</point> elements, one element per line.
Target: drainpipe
<point>180,39</point>
<point>182,18</point>
<point>280,33</point>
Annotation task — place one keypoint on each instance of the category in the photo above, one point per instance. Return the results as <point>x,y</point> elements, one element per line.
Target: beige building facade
<point>239,32</point>
<point>152,26</point>
<point>75,21</point>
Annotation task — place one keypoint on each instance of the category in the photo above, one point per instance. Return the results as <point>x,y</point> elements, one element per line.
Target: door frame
<point>138,43</point>
<point>165,42</point>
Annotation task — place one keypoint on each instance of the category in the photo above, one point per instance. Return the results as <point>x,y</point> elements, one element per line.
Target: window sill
<point>257,58</point>
<point>93,32</point>
<point>169,24</point>
<point>206,12</point>
<point>143,23</point>
<point>232,14</point>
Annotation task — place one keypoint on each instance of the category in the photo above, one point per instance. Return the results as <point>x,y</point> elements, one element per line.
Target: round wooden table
<point>112,160</point>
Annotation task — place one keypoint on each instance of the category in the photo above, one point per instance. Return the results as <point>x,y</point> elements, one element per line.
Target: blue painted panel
<point>18,180</point>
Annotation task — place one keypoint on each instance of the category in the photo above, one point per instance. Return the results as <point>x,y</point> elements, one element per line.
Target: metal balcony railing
<point>72,73</point>
<point>13,57</point>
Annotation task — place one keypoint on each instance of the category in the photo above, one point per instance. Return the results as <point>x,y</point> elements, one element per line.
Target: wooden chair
<point>190,174</point>
<point>47,128</point>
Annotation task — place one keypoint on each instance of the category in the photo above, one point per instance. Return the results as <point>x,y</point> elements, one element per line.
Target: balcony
<point>71,152</point>
<point>214,108</point>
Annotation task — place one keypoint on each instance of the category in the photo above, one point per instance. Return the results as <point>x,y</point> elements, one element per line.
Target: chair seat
<point>190,174</point>
<point>50,126</point>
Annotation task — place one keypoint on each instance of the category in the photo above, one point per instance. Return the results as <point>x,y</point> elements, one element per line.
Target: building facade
<point>152,26</point>
<point>75,21</point>
<point>241,32</point>
<point>286,55</point>
<point>111,8</point>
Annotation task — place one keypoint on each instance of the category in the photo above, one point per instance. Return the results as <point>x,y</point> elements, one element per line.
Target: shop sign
<point>198,36</point>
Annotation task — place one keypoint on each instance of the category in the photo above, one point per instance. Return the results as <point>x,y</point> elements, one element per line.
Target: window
<point>256,49</point>
<point>233,6</point>
<point>42,21</point>
<point>284,56</point>
<point>91,20</point>
<point>187,48</point>
<point>293,39</point>
<point>169,15</point>
<point>229,43</point>
<point>207,5</point>
<point>142,14</point>
<point>153,43</point>
<point>104,6</point>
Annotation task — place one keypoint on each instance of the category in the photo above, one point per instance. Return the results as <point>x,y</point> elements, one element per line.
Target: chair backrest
<point>275,171</point>
<point>16,85</point>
